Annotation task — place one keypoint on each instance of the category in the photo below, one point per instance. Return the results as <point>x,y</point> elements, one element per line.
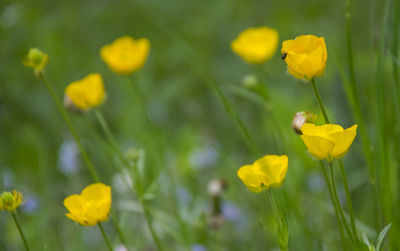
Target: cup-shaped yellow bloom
<point>256,45</point>
<point>91,206</point>
<point>10,200</point>
<point>305,56</point>
<point>86,93</point>
<point>126,55</point>
<point>268,171</point>
<point>328,141</point>
<point>36,59</point>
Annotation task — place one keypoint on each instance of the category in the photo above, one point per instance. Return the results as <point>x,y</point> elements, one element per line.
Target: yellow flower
<point>328,141</point>
<point>10,200</point>
<point>86,93</point>
<point>256,45</point>
<point>268,171</point>
<point>36,59</point>
<point>125,55</point>
<point>91,206</point>
<point>305,56</point>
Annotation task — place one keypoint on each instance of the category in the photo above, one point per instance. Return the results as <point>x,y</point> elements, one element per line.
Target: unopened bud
<point>133,154</point>
<point>300,118</point>
<point>216,187</point>
<point>10,200</point>
<point>36,59</point>
<point>250,81</point>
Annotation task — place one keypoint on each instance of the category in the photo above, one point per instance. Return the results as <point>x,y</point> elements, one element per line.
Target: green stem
<point>145,208</point>
<point>281,222</point>
<point>348,198</point>
<point>340,209</point>
<point>70,127</point>
<point>77,139</point>
<point>319,101</point>
<point>138,187</point>
<point>20,230</point>
<point>340,224</point>
<point>104,236</point>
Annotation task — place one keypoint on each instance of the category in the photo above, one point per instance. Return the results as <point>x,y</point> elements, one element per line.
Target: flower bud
<point>216,187</point>
<point>250,81</point>
<point>300,118</point>
<point>10,200</point>
<point>36,59</point>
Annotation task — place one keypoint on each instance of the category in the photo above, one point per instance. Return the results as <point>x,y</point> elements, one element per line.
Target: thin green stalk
<point>395,48</point>
<point>70,127</point>
<point>340,224</point>
<point>381,115</point>
<point>281,222</point>
<point>77,139</point>
<point>354,92</point>
<point>335,195</point>
<point>146,210</point>
<point>138,187</point>
<point>319,100</point>
<point>20,231</point>
<point>105,236</point>
<point>348,199</point>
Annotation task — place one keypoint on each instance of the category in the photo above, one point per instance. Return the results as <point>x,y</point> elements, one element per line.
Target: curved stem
<point>77,139</point>
<point>340,224</point>
<point>340,209</point>
<point>70,127</point>
<point>104,236</point>
<point>20,231</point>
<point>348,198</point>
<point>319,101</point>
<point>138,187</point>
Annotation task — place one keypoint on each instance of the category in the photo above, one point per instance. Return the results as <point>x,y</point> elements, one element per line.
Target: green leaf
<point>382,236</point>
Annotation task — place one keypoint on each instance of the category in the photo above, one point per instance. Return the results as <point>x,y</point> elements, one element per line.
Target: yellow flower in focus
<point>305,56</point>
<point>328,141</point>
<point>36,59</point>
<point>91,206</point>
<point>268,171</point>
<point>126,55</point>
<point>86,93</point>
<point>256,45</point>
<point>10,200</point>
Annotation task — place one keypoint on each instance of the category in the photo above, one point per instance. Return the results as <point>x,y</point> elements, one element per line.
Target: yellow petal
<point>323,130</point>
<point>256,45</point>
<point>98,196</point>
<point>343,141</point>
<point>318,147</point>
<point>255,182</point>
<point>272,166</point>
<point>88,92</point>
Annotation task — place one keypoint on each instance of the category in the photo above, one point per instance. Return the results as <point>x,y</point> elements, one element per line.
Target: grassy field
<point>170,137</point>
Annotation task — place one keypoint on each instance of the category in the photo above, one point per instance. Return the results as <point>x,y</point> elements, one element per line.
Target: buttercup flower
<point>126,55</point>
<point>10,200</point>
<point>328,141</point>
<point>91,206</point>
<point>305,56</point>
<point>256,45</point>
<point>36,59</point>
<point>268,171</point>
<point>85,93</point>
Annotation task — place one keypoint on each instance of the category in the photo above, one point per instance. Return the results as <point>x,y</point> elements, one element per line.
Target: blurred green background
<point>192,139</point>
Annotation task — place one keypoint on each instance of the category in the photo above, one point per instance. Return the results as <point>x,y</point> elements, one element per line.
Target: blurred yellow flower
<point>268,171</point>
<point>10,200</point>
<point>305,56</point>
<point>125,55</point>
<point>86,93</point>
<point>91,206</point>
<point>36,59</point>
<point>328,141</point>
<point>256,45</point>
